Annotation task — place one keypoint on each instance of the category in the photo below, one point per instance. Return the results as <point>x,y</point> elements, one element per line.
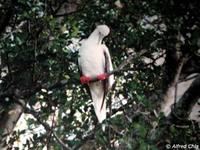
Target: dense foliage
<point>39,51</point>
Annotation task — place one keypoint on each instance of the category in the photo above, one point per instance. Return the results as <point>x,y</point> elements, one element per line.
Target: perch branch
<point>30,92</point>
<point>121,66</point>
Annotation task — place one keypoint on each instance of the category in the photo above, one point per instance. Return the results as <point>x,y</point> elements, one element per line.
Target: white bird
<point>95,61</point>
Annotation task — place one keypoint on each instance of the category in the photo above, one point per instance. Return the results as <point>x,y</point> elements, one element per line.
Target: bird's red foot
<point>103,76</point>
<point>85,79</point>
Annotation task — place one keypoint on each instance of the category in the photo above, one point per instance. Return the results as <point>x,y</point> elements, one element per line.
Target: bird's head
<point>98,34</point>
<point>103,30</point>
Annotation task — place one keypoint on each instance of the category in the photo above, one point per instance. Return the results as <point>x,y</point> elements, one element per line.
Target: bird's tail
<point>97,94</point>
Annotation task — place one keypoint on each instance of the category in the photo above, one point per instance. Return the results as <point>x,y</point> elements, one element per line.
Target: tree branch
<point>121,66</point>
<point>183,108</point>
<point>189,78</point>
<point>170,94</point>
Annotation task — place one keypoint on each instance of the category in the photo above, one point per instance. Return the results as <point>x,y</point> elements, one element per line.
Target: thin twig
<point>47,127</point>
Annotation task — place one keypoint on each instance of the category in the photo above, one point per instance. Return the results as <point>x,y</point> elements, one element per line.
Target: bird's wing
<point>107,84</point>
<point>108,66</point>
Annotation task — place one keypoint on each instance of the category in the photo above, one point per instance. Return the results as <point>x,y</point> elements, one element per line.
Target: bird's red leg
<point>103,76</point>
<point>85,79</point>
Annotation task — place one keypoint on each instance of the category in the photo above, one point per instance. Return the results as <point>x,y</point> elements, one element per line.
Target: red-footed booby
<point>95,61</point>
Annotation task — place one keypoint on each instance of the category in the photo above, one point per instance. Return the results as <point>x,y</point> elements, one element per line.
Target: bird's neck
<point>95,37</point>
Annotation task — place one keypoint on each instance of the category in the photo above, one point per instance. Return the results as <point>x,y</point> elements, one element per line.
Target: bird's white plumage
<point>94,57</point>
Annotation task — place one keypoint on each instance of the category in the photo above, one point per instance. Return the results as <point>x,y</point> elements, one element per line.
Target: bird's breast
<point>91,60</point>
